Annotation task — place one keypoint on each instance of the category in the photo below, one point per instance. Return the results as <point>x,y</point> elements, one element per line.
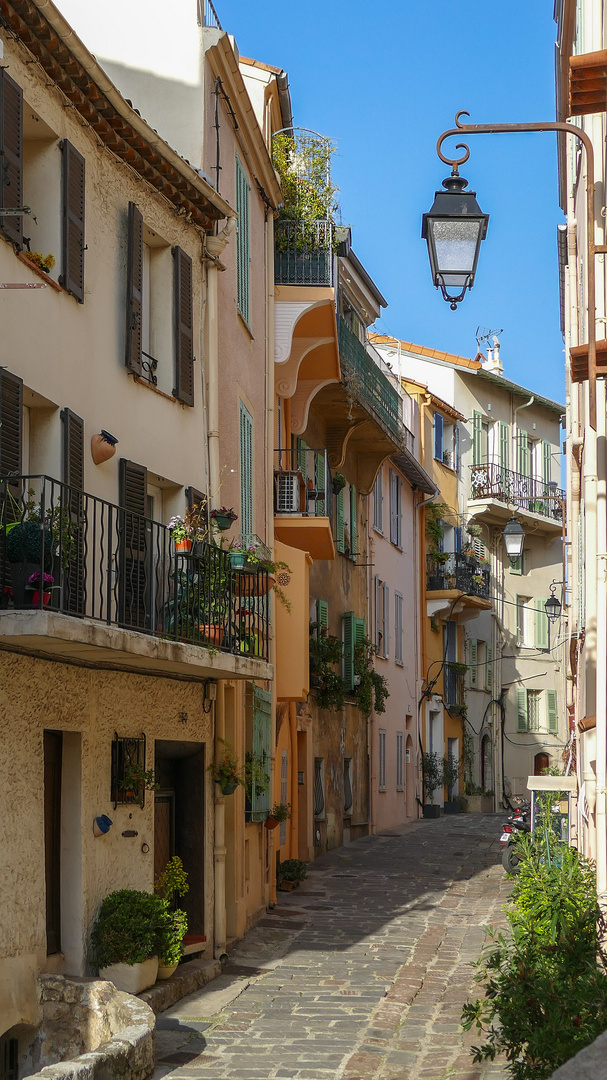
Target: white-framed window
<point>536,710</point>
<point>398,627</point>
<point>378,502</point>
<point>400,768</point>
<point>382,616</point>
<point>382,760</point>
<point>524,619</point>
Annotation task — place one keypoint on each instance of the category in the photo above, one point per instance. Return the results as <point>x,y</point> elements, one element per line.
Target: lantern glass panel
<point>455,242</point>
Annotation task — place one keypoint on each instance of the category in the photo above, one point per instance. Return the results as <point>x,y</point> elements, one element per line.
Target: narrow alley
<point>360,974</point>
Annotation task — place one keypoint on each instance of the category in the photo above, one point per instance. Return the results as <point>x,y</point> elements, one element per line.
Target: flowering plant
<point>225,771</point>
<point>224,511</point>
<point>43,262</point>
<point>33,581</point>
<point>178,528</point>
<point>191,526</point>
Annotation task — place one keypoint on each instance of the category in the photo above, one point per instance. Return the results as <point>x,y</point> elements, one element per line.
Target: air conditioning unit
<point>288,492</point>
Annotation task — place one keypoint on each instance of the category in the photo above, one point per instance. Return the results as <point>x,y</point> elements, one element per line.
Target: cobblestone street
<point>360,974</point>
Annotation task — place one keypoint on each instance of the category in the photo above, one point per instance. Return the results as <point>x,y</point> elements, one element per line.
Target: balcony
<point>303,501</point>
<point>119,593</point>
<point>453,573</point>
<point>454,693</point>
<point>303,253</point>
<point>493,484</point>
<point>368,384</point>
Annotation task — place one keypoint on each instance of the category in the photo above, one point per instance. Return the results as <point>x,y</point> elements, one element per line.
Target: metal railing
<point>207,16</point>
<point>302,483</point>
<point>454,692</point>
<point>367,382</point>
<point>303,252</point>
<point>458,571</point>
<point>67,551</point>
<point>492,481</point>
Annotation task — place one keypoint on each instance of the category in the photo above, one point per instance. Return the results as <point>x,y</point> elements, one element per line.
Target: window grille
<point>348,799</point>
<point>382,760</point>
<point>127,753</point>
<point>319,788</point>
<point>399,761</point>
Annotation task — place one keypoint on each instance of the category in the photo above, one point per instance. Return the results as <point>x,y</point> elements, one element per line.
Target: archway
<point>540,762</point>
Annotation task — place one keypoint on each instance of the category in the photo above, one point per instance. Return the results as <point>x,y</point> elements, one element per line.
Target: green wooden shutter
<point>242,243</point>
<point>546,462</point>
<point>322,615</point>
<point>340,522</point>
<point>353,523</point>
<point>348,642</point>
<point>477,438</point>
<point>516,565</point>
<point>184,328</point>
<point>523,453</point>
<point>553,718</point>
<point>11,155</point>
<point>521,710</point>
<point>261,750</point>
<point>473,655</point>
<point>302,458</point>
<point>503,445</point>
<point>246,471</point>
<point>541,624</point>
<point>489,669</point>
<point>72,277</point>
<point>134,291</point>
<point>320,484</point>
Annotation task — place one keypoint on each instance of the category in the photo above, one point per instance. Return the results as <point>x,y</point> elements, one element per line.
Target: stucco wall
<point>36,695</point>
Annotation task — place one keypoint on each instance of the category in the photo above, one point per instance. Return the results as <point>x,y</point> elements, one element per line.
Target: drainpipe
<point>601,650</point>
<point>294,845</point>
<point>213,248</point>
<point>219,848</point>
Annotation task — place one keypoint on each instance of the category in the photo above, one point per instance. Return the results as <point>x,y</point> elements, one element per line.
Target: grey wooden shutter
<point>72,539</point>
<point>184,328</point>
<point>134,291</point>
<point>11,155</point>
<point>133,585</point>
<point>73,449</point>
<point>11,423</point>
<point>551,709</point>
<point>72,199</point>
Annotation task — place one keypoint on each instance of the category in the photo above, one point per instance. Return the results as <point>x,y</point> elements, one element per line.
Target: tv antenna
<point>485,335</point>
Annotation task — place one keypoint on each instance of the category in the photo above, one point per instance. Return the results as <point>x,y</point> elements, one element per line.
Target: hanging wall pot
<point>103,447</point>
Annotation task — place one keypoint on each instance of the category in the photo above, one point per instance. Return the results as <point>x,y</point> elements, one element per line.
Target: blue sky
<point>384,80</point>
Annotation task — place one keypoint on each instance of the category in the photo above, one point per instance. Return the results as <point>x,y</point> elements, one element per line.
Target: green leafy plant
<point>128,928</point>
<point>432,771</point>
<point>138,780</point>
<point>303,163</point>
<point>281,811</point>
<point>326,684</point>
<point>451,771</point>
<point>170,943</point>
<point>545,982</point>
<point>371,690</point>
<point>338,482</point>
<point>292,870</point>
<point>456,667</point>
<point>435,513</point>
<point>227,769</point>
<point>255,773</point>
<point>474,529</point>
<point>173,881</point>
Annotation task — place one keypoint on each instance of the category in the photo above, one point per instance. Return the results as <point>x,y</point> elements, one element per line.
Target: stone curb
<point>188,978</point>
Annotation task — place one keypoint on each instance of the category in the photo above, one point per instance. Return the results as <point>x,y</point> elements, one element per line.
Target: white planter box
<point>132,978</point>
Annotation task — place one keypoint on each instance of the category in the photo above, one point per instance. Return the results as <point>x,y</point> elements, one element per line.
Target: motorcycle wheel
<point>510,860</point>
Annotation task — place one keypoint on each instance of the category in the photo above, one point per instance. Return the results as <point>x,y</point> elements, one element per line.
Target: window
<point>319,788</point>
<point>400,772</point>
<point>242,243</point>
<point>523,621</point>
<point>378,502</point>
<point>258,746</point>
<point>353,632</point>
<point>533,709</point>
<point>348,797</point>
<point>398,627</point>
<point>542,631</point>
<point>382,759</point>
<point>382,617</point>
<point>395,509</point>
<point>536,711</point>
<point>246,471</point>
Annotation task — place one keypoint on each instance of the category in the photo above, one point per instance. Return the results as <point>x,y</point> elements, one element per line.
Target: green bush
<point>130,927</point>
<point>292,870</point>
<point>170,946</point>
<point>545,981</point>
<point>24,543</point>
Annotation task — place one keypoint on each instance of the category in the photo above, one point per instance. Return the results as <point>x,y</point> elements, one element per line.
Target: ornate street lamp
<point>514,538</point>
<point>553,605</point>
<point>453,230</point>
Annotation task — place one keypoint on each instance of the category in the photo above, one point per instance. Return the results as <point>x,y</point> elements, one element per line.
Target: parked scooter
<point>517,822</point>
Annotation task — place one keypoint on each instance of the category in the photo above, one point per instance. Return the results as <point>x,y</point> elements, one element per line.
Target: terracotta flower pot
<point>271,822</point>
<point>255,584</point>
<point>212,632</point>
<point>183,545</point>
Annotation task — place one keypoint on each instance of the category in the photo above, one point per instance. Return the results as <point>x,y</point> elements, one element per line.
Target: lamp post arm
<point>591,248</point>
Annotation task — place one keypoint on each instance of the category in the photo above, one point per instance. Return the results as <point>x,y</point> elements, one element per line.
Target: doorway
<point>540,762</point>
<point>179,819</point>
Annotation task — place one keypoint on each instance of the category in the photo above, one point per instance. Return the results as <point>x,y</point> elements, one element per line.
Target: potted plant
<point>338,482</point>
<point>279,812</point>
<point>370,686</point>
<point>43,262</point>
<point>29,547</point>
<point>223,518</point>
<point>432,772</point>
<point>290,873</point>
<point>225,772</point>
<point>171,883</point>
<point>33,586</point>
<point>325,651</point>
<point>135,781</point>
<point>126,938</point>
<point>180,533</point>
<point>451,771</point>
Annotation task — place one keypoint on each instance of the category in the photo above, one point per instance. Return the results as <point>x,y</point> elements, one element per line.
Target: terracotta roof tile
<point>422,350</point>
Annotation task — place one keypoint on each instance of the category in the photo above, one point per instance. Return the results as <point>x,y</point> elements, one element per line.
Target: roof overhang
<point>410,466</point>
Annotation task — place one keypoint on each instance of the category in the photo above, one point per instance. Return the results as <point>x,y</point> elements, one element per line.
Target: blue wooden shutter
<point>553,719</point>
<point>477,438</point>
<point>246,471</point>
<point>521,710</point>
<point>353,523</point>
<point>340,522</point>
<point>541,624</point>
<point>438,436</point>
<point>243,288</point>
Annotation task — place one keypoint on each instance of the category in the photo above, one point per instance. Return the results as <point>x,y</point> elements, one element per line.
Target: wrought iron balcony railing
<point>303,253</point>
<point>458,571</point>
<point>454,692</point>
<point>67,551</point>
<point>491,481</point>
<point>302,483</point>
<point>368,383</point>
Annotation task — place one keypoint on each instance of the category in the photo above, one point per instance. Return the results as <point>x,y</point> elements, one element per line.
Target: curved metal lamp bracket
<point>454,162</point>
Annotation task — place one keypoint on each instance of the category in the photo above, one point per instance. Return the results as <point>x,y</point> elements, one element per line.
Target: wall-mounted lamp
<point>553,605</point>
<point>209,694</point>
<point>514,538</point>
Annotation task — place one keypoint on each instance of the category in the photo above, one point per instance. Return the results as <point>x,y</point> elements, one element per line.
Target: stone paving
<point>360,974</point>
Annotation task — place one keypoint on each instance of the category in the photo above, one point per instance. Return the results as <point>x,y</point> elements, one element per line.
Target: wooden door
<point>53,745</point>
<point>164,831</point>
